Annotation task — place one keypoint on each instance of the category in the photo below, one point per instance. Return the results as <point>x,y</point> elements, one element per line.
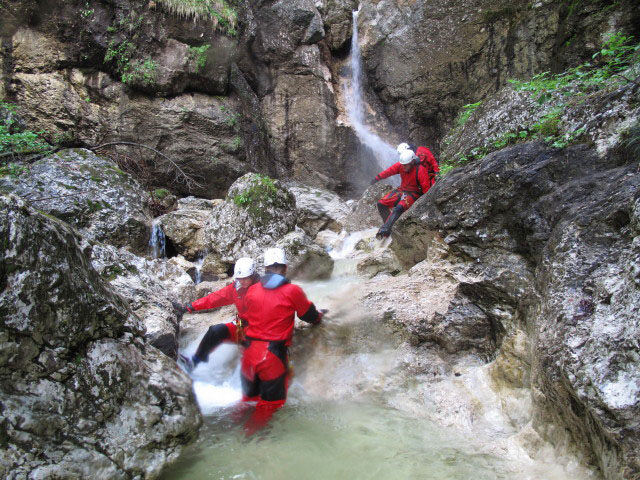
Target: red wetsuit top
<point>408,179</point>
<point>271,307</point>
<point>225,296</point>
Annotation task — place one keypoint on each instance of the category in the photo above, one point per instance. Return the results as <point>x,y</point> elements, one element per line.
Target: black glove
<point>321,313</point>
<point>374,181</point>
<point>183,308</point>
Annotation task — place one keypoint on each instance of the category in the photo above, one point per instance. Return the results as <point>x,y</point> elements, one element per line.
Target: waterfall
<point>385,154</point>
<point>198,263</point>
<point>157,241</point>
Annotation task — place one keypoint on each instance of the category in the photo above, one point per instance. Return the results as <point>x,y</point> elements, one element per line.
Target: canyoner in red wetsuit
<point>272,305</point>
<point>415,181</point>
<point>244,274</point>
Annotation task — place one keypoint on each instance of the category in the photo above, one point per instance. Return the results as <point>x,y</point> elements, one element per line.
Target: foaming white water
<point>385,154</point>
<point>216,383</point>
<point>358,409</point>
<point>198,264</point>
<point>347,245</point>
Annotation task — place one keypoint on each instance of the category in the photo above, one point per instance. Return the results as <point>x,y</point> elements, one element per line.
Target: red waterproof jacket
<point>228,295</point>
<point>271,307</point>
<point>408,179</point>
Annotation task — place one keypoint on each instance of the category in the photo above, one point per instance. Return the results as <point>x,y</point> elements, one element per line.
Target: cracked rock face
<point>82,394</point>
<point>90,193</point>
<point>150,287</point>
<point>547,239</point>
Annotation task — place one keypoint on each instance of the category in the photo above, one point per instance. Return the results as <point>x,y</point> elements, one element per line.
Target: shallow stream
<point>353,412</point>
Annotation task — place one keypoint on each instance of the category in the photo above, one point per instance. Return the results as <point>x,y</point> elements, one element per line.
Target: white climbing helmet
<point>244,267</point>
<point>407,157</point>
<point>273,256</point>
<point>402,147</point>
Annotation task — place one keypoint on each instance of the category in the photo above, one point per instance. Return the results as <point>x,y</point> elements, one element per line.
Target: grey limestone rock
<point>318,209</point>
<point>150,287</point>
<point>549,238</point>
<point>83,394</point>
<point>257,212</point>
<point>184,228</point>
<point>90,193</point>
<point>306,260</point>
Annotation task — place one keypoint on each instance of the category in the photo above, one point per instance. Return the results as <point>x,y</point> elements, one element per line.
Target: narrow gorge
<point>145,146</point>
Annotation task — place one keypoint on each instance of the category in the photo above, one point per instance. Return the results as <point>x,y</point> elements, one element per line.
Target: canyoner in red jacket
<point>414,182</point>
<point>272,305</point>
<point>244,273</point>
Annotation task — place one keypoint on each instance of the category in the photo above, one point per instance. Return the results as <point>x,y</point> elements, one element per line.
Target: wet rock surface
<point>306,260</point>
<point>318,209</point>
<point>151,288</point>
<point>365,213</point>
<point>549,239</point>
<point>89,192</point>
<point>83,394</point>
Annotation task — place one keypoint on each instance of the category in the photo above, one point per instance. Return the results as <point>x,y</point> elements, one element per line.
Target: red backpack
<point>428,161</point>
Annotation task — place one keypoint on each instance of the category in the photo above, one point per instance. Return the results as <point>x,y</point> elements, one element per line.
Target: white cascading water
<point>198,264</point>
<point>384,153</point>
<point>157,242</point>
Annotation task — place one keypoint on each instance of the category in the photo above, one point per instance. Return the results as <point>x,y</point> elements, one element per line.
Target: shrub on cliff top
<point>218,11</point>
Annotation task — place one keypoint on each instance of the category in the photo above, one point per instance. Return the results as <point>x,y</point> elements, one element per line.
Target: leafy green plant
<point>13,170</point>
<point>198,55</point>
<point>549,124</point>
<point>140,71</point>
<point>615,56</point>
<point>160,193</point>
<point>467,110</point>
<point>15,141</point>
<point>232,119</point>
<point>121,52</point>
<point>261,192</point>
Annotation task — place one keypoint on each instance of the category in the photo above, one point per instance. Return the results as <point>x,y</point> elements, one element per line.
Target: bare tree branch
<point>57,196</point>
<point>181,175</point>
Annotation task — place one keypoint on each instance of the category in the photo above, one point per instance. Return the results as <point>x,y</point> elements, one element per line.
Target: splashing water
<point>385,154</point>
<point>340,421</point>
<point>157,242</point>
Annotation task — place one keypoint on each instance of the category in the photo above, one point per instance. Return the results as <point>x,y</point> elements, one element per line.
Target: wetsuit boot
<point>383,210</point>
<point>385,230</point>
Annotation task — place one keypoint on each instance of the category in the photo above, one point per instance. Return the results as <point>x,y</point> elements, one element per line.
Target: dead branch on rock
<point>26,197</point>
<point>180,176</point>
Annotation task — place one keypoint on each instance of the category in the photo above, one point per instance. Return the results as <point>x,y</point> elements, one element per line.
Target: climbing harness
<point>240,336</point>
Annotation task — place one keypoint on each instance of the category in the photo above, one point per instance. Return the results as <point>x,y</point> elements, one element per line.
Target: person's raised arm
<point>216,299</point>
<point>392,170</point>
<point>306,310</point>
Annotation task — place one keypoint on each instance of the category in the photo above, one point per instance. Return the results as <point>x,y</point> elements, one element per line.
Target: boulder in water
<point>307,261</point>
<point>318,209</point>
<point>257,212</point>
<point>184,229</point>
<point>151,287</point>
